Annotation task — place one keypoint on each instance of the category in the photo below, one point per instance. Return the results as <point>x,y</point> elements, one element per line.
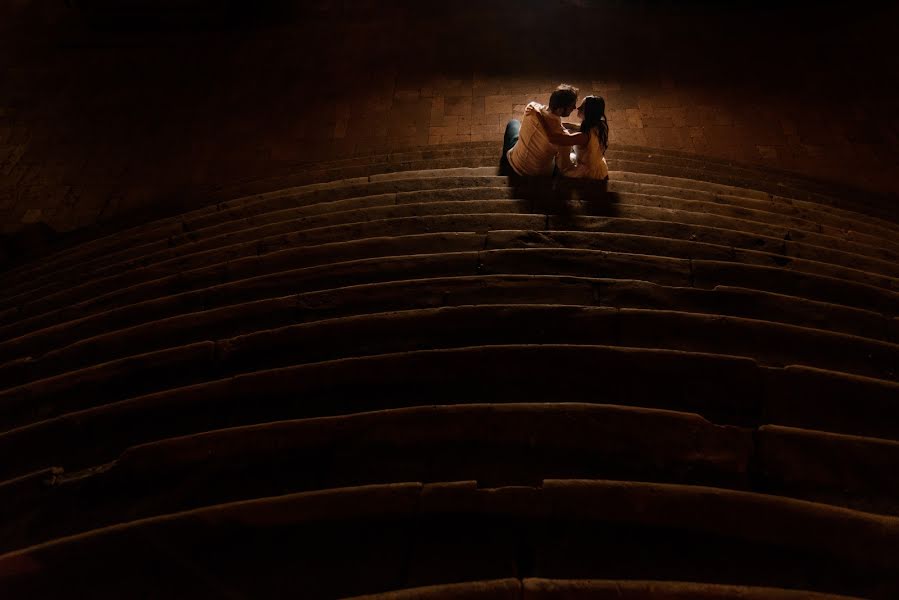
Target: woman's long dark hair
<point>595,117</point>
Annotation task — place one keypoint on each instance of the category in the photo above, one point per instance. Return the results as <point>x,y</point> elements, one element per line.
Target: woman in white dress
<point>587,159</point>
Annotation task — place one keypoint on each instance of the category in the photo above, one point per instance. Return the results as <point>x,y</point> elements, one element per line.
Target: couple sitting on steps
<point>541,145</point>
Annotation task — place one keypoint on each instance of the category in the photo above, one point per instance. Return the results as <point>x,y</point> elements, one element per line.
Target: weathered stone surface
<point>497,444</point>
<point>439,172</point>
<point>769,343</point>
<point>708,274</point>
<point>613,242</point>
<point>812,398</point>
<point>827,467</point>
<point>668,229</point>
<point>155,280</point>
<point>322,546</point>
<point>586,263</point>
<point>742,302</point>
<point>71,322</point>
<point>501,589</point>
<point>810,211</point>
<point>799,524</point>
<point>421,329</point>
<point>107,382</point>
<point>168,332</point>
<point>624,589</point>
<point>631,377</point>
<point>836,271</point>
<point>354,272</point>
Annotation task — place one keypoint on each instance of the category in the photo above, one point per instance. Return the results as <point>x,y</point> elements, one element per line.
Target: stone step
<point>510,444</point>
<point>702,273</point>
<point>498,589</point>
<point>810,398</point>
<point>361,166</point>
<point>73,323</point>
<point>155,235</point>
<point>629,181</point>
<point>406,535</point>
<point>881,209</point>
<point>877,247</point>
<point>73,353</point>
<point>688,382</point>
<point>828,467</point>
<point>765,208</point>
<point>495,444</point>
<point>109,245</point>
<point>216,404</point>
<point>776,182</point>
<point>595,589</point>
<point>330,227</point>
<point>99,293</point>
<point>766,342</point>
<point>172,228</point>
<point>842,225</point>
<point>828,196</point>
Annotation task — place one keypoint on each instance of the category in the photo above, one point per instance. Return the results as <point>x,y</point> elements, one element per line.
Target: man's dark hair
<point>565,95</point>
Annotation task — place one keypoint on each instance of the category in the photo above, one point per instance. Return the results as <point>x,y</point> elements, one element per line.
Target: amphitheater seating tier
<point>404,376</point>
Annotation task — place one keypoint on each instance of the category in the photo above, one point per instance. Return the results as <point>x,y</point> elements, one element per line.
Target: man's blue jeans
<point>510,139</point>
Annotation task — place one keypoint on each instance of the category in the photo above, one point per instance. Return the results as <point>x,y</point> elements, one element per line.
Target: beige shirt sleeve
<point>553,122</point>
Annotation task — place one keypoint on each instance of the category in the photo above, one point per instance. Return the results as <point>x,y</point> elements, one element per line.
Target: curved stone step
<point>333,170</point>
<point>285,208</point>
<point>384,206</point>
<point>71,353</point>
<point>810,398</point>
<point>711,273</point>
<point>689,382</point>
<point>825,194</point>
<point>114,380</point>
<point>218,213</point>
<point>155,278</point>
<point>677,187</point>
<point>682,381</point>
<point>592,263</point>
<point>595,589</point>
<point>293,281</point>
<point>574,589</point>
<point>881,211</point>
<point>825,247</point>
<point>766,342</point>
<point>405,535</point>
<point>841,224</point>
<point>673,178</point>
<point>506,444</point>
<point>499,589</point>
<point>831,468</point>
<point>403,224</point>
<point>49,269</point>
<point>515,444</point>
<point>845,225</point>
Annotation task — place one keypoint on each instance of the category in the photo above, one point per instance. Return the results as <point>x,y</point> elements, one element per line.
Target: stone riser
<point>407,535</point>
<point>804,245</point>
<point>174,226</point>
<point>514,444</point>
<point>754,395</point>
<point>43,314</point>
<point>238,319</point>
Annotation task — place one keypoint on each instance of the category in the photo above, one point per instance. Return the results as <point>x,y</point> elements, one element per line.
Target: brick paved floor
<point>96,124</point>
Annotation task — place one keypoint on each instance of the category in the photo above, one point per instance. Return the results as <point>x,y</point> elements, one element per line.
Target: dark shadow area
<point>565,197</point>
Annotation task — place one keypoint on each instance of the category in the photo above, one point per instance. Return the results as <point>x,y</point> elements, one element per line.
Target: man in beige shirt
<point>529,148</point>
